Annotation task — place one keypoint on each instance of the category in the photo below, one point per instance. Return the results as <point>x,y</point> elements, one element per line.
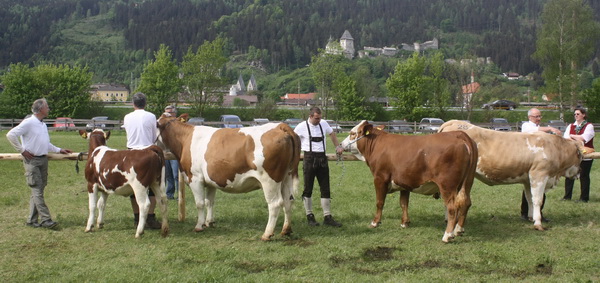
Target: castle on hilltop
<point>345,46</point>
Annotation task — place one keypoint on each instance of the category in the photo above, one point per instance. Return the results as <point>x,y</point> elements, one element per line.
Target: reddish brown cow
<point>123,172</point>
<point>443,163</point>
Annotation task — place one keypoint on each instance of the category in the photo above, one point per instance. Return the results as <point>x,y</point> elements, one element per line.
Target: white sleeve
<point>588,133</point>
<point>14,135</point>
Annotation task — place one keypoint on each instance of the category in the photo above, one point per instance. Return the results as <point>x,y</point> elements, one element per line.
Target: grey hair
<point>530,110</point>
<point>38,104</point>
<point>171,107</point>
<point>139,100</point>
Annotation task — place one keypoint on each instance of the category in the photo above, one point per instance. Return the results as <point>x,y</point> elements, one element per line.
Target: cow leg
<point>92,209</point>
<point>404,198</point>
<point>101,208</point>
<point>199,194</point>
<point>450,202</point>
<point>538,186</point>
<point>159,190</point>
<point>463,204</point>
<point>210,203</point>
<point>143,201</point>
<point>286,194</point>
<point>381,194</point>
<point>527,191</point>
<point>274,200</point>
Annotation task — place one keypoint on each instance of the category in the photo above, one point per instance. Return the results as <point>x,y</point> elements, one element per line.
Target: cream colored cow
<point>536,160</point>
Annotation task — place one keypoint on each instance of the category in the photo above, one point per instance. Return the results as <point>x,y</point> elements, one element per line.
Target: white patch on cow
<point>349,143</point>
<point>535,149</point>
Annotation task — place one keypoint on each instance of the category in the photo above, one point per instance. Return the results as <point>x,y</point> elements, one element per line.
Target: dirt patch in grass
<point>378,253</point>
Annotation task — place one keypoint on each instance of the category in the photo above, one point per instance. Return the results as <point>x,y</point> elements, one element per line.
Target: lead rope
<point>340,159</point>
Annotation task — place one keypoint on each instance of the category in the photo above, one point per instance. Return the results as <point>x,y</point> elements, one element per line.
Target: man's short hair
<point>38,104</point>
<point>314,110</point>
<point>139,100</point>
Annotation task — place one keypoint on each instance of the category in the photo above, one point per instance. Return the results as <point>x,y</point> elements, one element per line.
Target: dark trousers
<point>584,178</point>
<point>316,165</point>
<point>525,204</point>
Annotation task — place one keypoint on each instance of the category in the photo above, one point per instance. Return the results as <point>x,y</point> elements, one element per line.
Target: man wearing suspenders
<point>312,135</point>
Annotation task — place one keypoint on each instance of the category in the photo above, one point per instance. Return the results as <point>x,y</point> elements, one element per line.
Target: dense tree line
<point>285,33</point>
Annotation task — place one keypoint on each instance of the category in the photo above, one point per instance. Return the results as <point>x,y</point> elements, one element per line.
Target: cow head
<point>97,138</point>
<point>363,129</point>
<point>169,128</point>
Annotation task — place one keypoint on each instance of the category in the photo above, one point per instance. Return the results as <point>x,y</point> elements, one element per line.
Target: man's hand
<point>27,155</point>
<point>65,151</point>
<point>339,149</point>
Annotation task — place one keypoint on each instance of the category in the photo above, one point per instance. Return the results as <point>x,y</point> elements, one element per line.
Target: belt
<point>314,152</point>
<point>39,156</point>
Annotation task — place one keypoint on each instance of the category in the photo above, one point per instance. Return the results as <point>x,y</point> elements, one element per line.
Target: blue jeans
<point>172,177</point>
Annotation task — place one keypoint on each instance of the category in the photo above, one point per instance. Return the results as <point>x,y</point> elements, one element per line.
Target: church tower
<point>347,43</point>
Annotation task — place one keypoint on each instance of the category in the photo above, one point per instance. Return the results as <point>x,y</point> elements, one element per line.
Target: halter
<point>159,131</point>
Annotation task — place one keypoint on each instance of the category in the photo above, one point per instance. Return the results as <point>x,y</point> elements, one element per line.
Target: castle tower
<point>347,43</point>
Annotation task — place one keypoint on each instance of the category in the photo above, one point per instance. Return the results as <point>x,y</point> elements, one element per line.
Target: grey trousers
<point>36,174</point>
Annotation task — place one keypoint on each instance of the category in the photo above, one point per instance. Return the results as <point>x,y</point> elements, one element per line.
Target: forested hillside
<point>115,37</point>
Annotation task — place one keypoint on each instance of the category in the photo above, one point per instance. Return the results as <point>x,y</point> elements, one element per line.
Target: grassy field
<point>497,245</point>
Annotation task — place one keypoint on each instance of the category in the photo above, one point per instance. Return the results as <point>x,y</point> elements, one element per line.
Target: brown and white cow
<point>443,163</point>
<point>236,160</point>
<point>536,160</point>
<point>123,172</point>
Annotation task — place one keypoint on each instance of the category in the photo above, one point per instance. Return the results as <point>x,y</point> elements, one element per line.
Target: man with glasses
<point>533,125</point>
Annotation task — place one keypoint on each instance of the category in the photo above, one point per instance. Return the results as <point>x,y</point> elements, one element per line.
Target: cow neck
<point>173,136</point>
<point>369,141</point>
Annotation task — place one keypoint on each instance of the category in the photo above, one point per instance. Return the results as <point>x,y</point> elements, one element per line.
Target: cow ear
<point>184,117</point>
<point>83,134</point>
<point>367,129</point>
<point>107,135</point>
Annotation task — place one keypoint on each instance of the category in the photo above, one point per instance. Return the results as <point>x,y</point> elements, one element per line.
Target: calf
<point>124,172</point>
<point>443,163</point>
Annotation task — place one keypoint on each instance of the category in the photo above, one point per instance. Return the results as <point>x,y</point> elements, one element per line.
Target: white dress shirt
<point>31,135</point>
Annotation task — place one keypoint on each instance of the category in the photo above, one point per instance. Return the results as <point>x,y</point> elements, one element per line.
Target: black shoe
<point>524,217</point>
<point>311,220</point>
<point>329,221</point>
<point>49,224</point>
<point>151,223</point>
<point>34,224</point>
<point>545,220</point>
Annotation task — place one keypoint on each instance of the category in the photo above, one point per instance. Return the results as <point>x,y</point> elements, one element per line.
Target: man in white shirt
<point>31,139</point>
<point>315,164</point>
<point>140,126</point>
<point>533,125</point>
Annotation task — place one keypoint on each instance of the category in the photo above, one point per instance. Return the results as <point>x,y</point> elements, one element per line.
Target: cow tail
<point>294,140</point>
<point>161,159</point>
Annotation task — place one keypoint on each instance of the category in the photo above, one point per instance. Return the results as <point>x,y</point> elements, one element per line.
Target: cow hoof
<point>286,232</point>
<point>374,224</point>
<point>266,237</point>
<point>89,230</point>
<point>101,225</point>
<point>198,229</point>
<point>210,224</point>
<point>539,227</point>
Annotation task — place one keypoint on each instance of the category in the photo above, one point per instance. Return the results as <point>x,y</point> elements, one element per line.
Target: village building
<point>109,93</point>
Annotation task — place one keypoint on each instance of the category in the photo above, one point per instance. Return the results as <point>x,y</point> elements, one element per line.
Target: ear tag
<point>367,133</point>
<point>182,120</point>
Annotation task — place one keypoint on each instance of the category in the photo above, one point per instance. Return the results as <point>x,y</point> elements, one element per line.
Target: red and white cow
<point>236,161</point>
<point>536,160</point>
<point>123,172</point>
<point>443,163</point>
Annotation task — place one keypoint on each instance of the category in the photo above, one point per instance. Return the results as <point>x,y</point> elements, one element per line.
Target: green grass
<point>497,245</point>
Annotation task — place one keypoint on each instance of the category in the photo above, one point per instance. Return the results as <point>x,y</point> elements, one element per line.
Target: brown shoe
<point>151,222</point>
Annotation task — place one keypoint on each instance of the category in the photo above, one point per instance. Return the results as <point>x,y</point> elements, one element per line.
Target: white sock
<point>326,205</point>
<point>307,205</point>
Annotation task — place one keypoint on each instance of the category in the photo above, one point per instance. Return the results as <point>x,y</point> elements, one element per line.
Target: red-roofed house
<point>298,98</point>
<point>468,91</point>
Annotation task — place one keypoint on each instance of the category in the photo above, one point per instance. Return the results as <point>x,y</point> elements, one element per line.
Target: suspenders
<point>310,136</point>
